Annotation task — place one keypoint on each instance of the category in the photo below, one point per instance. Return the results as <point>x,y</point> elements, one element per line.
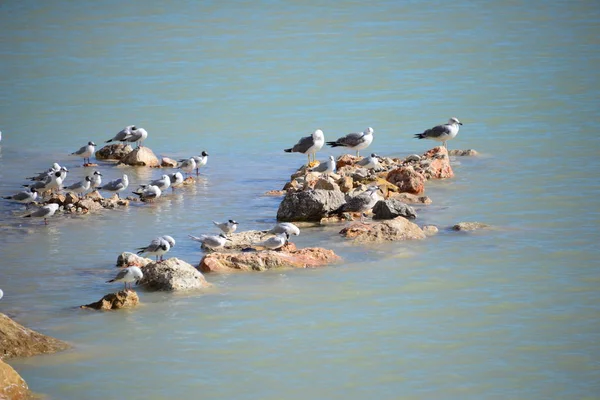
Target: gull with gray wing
<point>355,141</point>
<point>128,275</point>
<point>442,133</point>
<point>309,145</point>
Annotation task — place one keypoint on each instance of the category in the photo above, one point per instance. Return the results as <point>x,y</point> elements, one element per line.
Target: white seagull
<point>355,141</point>
<point>201,161</point>
<point>187,165</point>
<point>442,133</point>
<point>85,152</point>
<point>43,175</point>
<point>371,162</point>
<point>123,133</point>
<point>81,186</point>
<point>148,192</point>
<point>309,145</point>
<point>163,182</point>
<point>128,275</point>
<point>285,227</point>
<point>228,226</point>
<point>137,135</point>
<point>361,203</point>
<point>326,167</point>
<point>176,180</point>
<point>118,185</point>
<point>95,180</point>
<point>44,212</point>
<point>25,197</point>
<point>158,247</point>
<point>275,242</point>
<point>213,242</point>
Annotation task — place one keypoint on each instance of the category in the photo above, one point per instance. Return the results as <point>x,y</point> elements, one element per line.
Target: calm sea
<point>511,312</point>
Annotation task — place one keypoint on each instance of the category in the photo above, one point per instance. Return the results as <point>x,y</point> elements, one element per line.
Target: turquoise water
<point>507,313</point>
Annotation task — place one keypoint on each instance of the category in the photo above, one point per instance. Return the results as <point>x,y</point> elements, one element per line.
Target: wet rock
<point>411,198</point>
<point>438,164</point>
<point>95,195</point>
<point>18,341</point>
<point>128,259</point>
<point>115,151</point>
<point>89,205</point>
<point>430,230</point>
<point>115,301</point>
<point>463,153</point>
<point>392,208</point>
<point>326,184</point>
<point>167,162</point>
<point>87,165</point>
<point>391,230</point>
<point>288,257</point>
<point>172,275</point>
<point>469,226</point>
<point>57,199</point>
<point>143,157</point>
<point>310,205</point>
<point>275,193</point>
<point>12,385</point>
<point>413,158</point>
<point>407,180</point>
<point>345,183</point>
<point>71,198</point>
<point>347,159</point>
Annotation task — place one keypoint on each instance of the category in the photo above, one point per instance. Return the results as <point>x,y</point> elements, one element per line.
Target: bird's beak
<point>460,123</point>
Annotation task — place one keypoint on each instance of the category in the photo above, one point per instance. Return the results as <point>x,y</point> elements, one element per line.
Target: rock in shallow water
<point>18,341</point>
<point>12,385</point>
<point>172,275</point>
<point>114,151</point>
<point>392,208</point>
<point>142,156</point>
<point>395,229</point>
<point>311,205</point>
<point>115,301</point>
<point>469,226</point>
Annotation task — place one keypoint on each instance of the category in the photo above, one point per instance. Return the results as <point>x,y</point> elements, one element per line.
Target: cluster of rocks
<point>124,154</point>
<point>71,203</point>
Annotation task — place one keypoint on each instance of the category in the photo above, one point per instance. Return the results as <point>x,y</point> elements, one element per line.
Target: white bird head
<point>454,120</point>
<point>369,131</point>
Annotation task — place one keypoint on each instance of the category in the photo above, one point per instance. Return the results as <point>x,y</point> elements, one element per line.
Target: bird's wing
<point>303,144</point>
<point>437,131</point>
<point>351,139</point>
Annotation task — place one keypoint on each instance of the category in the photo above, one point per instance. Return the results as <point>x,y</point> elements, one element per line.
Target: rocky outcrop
<point>311,205</point>
<point>407,179</point>
<point>463,153</point>
<point>469,226</point>
<point>73,204</point>
<point>167,162</point>
<point>141,157</point>
<point>12,386</point>
<point>391,230</point>
<point>172,275</point>
<point>115,151</point>
<point>288,257</point>
<point>436,164</point>
<point>115,301</point>
<point>127,259</point>
<point>392,208</point>
<point>18,341</point>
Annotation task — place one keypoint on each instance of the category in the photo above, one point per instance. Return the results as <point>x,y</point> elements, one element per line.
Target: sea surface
<point>505,313</point>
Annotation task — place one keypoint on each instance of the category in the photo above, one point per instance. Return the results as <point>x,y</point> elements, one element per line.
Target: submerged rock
<point>311,205</point>
<point>469,226</point>
<point>127,259</point>
<point>115,151</point>
<point>430,230</point>
<point>392,208</point>
<point>115,301</point>
<point>12,385</point>
<point>168,162</point>
<point>18,341</point>
<point>143,157</point>
<point>391,230</point>
<point>463,153</point>
<point>288,257</point>
<point>172,275</point>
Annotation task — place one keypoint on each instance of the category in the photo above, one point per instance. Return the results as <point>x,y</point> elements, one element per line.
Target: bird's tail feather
<point>333,144</point>
<point>111,281</point>
<point>108,141</point>
<point>287,150</point>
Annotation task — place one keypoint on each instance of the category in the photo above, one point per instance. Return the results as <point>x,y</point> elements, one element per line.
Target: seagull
<point>81,186</point>
<point>85,152</point>
<point>201,161</point>
<point>442,133</point>
<point>95,180</point>
<point>176,180</point>
<point>371,162</point>
<point>137,135</point>
<point>275,242</point>
<point>187,165</point>
<point>54,181</point>
<point>227,227</point>
<point>326,167</point>
<point>309,145</point>
<point>123,133</point>
<point>285,227</point>
<point>158,247</point>
<point>118,185</point>
<point>25,197</point>
<point>128,275</point>
<point>1,294</point>
<point>44,212</point>
<point>43,175</point>
<point>355,141</point>
<point>210,241</point>
<point>148,192</point>
<point>163,183</point>
<point>361,203</point>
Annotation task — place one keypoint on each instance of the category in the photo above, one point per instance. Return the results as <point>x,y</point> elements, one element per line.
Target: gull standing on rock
<point>163,183</point>
<point>55,181</point>
<point>227,227</point>
<point>128,275</point>
<point>80,187</point>
<point>158,247</point>
<point>148,192</point>
<point>44,212</point>
<point>176,180</point>
<point>275,242</point>
<point>118,185</point>
<point>201,161</point>
<point>309,145</point>
<point>187,165</point>
<point>123,133</point>
<point>95,180</point>
<point>137,135</point>
<point>442,133</point>
<point>85,152</point>
<point>43,175</point>
<point>25,197</point>
<point>361,203</point>
<point>285,227</point>
<point>355,141</point>
<point>371,162</point>
<point>213,242</point>
<point>325,168</point>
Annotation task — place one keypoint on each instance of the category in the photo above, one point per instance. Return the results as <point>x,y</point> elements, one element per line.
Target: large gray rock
<point>392,208</point>
<point>172,275</point>
<point>311,205</point>
<point>115,151</point>
<point>142,157</point>
<point>127,259</point>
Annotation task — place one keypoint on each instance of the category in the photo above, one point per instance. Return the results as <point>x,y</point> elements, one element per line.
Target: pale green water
<point>508,313</point>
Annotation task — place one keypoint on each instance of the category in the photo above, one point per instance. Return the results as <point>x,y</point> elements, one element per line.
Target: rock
<point>438,164</point>
<point>115,151</point>
<point>57,199</point>
<point>95,195</point>
<point>189,181</point>
<point>143,157</point>
<point>127,259</point>
<point>172,275</point>
<point>115,301</point>
<point>326,184</point>
<point>469,226</point>
<point>167,162</point>
<point>275,193</point>
<point>311,205</point>
<point>429,230</point>
<point>345,183</point>
<point>89,205</point>
<point>18,341</point>
<point>463,153</point>
<point>390,230</point>
<point>411,198</point>
<point>392,208</point>
<point>114,201</point>
<point>413,158</point>
<point>346,159</point>
<point>90,165</point>
<point>71,198</point>
<point>407,180</point>
<point>12,386</point>
<point>289,257</point>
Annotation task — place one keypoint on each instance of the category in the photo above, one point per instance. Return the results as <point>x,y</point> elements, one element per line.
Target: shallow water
<point>510,312</point>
